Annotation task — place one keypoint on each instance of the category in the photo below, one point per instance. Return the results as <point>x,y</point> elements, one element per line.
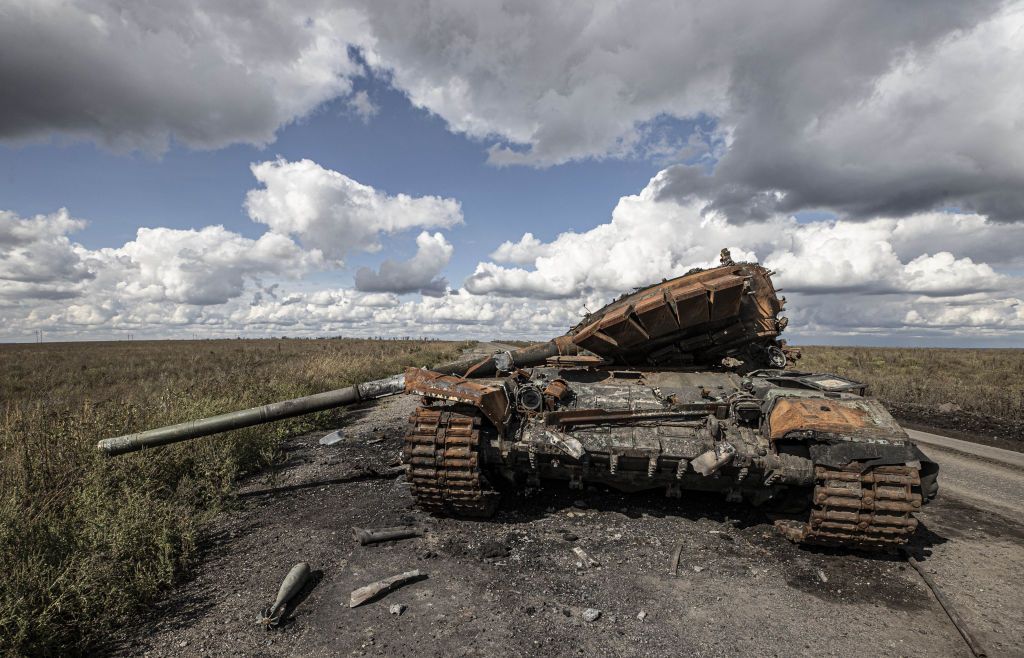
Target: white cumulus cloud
<point>421,273</point>
<point>328,210</point>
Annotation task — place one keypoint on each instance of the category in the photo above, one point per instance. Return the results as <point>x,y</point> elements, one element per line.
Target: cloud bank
<point>900,121</point>
<point>867,109</point>
<point>934,274</point>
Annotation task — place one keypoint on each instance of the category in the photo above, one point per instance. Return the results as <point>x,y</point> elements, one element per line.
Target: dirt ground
<point>512,586</point>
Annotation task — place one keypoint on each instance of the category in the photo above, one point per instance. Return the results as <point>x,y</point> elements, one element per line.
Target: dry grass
<point>86,541</point>
<point>984,386</point>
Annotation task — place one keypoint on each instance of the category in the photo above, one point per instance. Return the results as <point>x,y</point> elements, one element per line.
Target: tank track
<point>870,509</point>
<point>442,452</point>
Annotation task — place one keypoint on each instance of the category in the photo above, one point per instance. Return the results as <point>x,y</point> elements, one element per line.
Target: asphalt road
<point>986,477</point>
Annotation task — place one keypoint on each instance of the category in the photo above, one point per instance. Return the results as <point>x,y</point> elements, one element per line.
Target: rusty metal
<point>556,391</point>
<point>848,417</point>
<point>442,457</point>
<point>489,398</point>
<point>954,616</point>
<point>713,310</point>
<point>365,536</point>
<point>679,385</point>
<point>865,508</point>
<point>596,416</point>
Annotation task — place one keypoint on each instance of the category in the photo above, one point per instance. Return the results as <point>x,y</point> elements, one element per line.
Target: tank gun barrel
<point>342,397</point>
<point>697,318</point>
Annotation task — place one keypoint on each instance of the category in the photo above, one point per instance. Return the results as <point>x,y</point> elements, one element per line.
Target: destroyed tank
<point>682,385</point>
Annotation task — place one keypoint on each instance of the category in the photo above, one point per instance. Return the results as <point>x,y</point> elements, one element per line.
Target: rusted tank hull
<point>772,438</point>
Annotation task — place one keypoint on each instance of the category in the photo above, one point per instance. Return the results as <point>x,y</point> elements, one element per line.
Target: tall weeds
<point>85,542</point>
<point>986,382</point>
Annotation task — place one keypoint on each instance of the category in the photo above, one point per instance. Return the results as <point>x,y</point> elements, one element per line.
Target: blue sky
<point>476,170</point>
<point>401,149</point>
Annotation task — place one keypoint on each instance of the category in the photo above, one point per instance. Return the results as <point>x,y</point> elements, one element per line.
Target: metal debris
<point>585,559</point>
<point>332,438</point>
<point>675,559</point>
<point>711,461</point>
<point>365,537</point>
<point>293,583</point>
<point>951,612</point>
<point>375,589</point>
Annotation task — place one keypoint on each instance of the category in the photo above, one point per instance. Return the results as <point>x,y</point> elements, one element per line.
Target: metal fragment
<point>585,559</point>
<point>947,606</point>
<point>370,592</point>
<point>365,537</point>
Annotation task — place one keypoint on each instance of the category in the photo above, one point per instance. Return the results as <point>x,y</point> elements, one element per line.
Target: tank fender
<point>491,399</point>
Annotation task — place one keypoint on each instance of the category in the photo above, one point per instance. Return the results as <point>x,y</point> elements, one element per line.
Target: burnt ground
<point>987,430</point>
<point>512,585</point>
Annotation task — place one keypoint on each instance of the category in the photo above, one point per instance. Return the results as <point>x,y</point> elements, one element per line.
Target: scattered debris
<point>371,591</point>
<point>365,537</point>
<point>332,438</point>
<point>641,615</point>
<point>675,559</point>
<point>585,560</point>
<point>397,609</point>
<point>591,615</point>
<point>951,612</point>
<point>698,569</point>
<point>821,576</point>
<point>293,583</point>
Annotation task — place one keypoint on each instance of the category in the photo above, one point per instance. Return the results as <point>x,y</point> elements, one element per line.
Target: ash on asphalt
<point>512,585</point>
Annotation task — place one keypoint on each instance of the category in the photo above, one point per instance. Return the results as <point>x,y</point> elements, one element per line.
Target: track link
<point>871,508</point>
<point>442,452</point>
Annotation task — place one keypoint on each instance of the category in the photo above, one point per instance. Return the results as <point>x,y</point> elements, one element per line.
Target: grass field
<point>971,390</point>
<point>86,541</point>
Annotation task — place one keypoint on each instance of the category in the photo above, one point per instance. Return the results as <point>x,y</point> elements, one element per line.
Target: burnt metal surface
<point>491,399</point>
<point>849,417</point>
<point>698,318</point>
<point>768,438</point>
<point>677,386</point>
<point>865,509</point>
<point>442,454</point>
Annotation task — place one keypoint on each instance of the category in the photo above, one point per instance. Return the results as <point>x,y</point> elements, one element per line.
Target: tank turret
<point>680,385</point>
